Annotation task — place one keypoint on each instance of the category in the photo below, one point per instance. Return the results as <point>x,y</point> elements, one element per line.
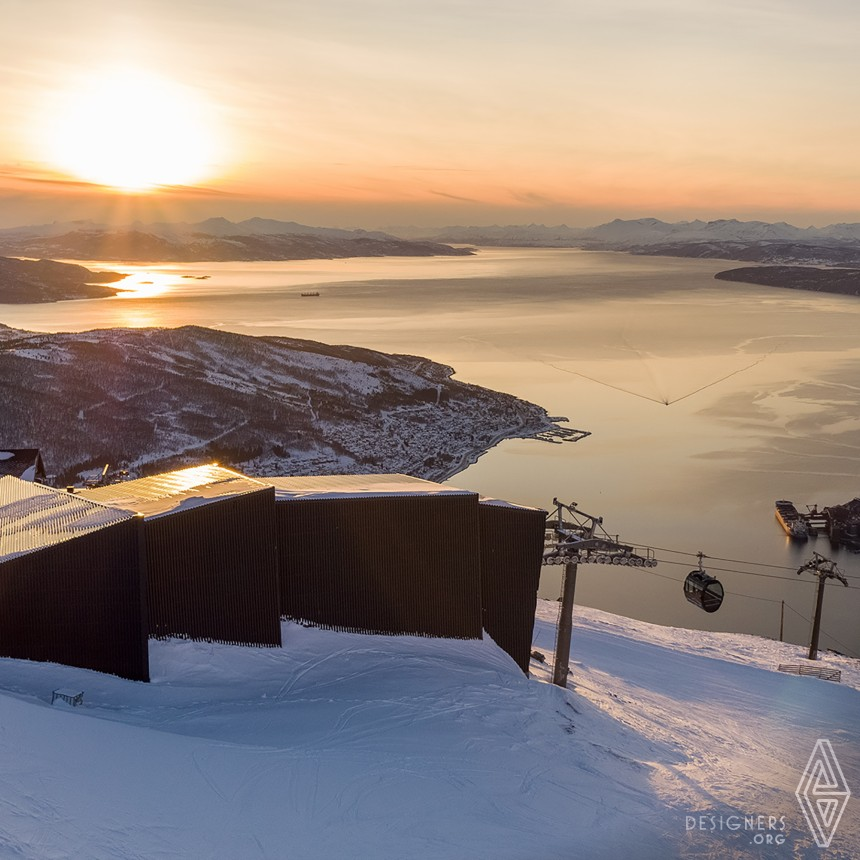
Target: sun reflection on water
<point>145,285</point>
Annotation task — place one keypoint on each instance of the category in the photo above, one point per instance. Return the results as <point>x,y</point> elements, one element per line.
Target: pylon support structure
<point>824,569</point>
<point>574,537</point>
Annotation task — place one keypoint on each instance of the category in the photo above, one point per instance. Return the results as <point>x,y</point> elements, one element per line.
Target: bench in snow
<point>73,697</point>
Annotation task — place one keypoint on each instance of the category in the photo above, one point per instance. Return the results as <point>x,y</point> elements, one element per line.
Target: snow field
<point>350,746</point>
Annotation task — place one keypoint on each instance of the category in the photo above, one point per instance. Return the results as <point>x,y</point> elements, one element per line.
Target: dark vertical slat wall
<point>227,571</point>
<point>398,564</point>
<point>79,602</point>
<point>511,555</point>
<point>212,572</point>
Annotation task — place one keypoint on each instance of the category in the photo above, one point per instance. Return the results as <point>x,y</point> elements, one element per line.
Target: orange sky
<point>378,112</point>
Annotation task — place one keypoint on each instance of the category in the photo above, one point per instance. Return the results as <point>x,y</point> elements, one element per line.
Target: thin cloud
<point>533,199</point>
<point>455,197</point>
<point>37,177</point>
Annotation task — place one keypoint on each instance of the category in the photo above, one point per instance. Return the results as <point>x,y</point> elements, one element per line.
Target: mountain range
<point>217,239</point>
<point>729,239</point>
<point>636,232</point>
<point>213,240</point>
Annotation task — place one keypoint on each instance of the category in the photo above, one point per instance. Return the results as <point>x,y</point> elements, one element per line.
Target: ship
<point>791,520</point>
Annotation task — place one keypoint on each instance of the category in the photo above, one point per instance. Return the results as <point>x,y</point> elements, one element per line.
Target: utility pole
<point>781,618</point>
<point>824,569</point>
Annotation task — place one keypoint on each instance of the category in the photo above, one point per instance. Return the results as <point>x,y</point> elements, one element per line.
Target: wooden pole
<point>781,618</point>
<point>816,624</point>
<point>565,626</point>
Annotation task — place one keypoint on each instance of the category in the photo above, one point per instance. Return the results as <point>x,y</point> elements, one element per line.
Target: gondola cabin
<point>703,590</point>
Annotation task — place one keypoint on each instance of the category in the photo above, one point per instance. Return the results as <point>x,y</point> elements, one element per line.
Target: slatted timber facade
<point>379,554</point>
<point>512,543</point>
<point>211,551</point>
<point>72,582</point>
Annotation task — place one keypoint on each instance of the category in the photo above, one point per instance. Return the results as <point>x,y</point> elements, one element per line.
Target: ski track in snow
<point>348,746</point>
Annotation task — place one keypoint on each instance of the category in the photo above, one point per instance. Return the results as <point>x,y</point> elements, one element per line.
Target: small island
<point>844,282</point>
<point>34,281</point>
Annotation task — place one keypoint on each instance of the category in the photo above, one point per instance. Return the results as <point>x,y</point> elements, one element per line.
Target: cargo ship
<point>791,520</point>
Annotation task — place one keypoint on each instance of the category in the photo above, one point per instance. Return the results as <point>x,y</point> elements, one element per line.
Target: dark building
<point>396,554</point>
<point>379,554</point>
<point>72,586</point>
<point>843,522</point>
<point>210,553</point>
<point>24,463</point>
<point>512,543</point>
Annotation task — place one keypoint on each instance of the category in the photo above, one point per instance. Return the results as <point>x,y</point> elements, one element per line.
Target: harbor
<point>840,523</point>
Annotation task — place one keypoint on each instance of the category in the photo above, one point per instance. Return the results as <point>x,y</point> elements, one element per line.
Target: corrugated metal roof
<point>501,503</point>
<point>171,492</point>
<point>33,517</point>
<point>346,486</point>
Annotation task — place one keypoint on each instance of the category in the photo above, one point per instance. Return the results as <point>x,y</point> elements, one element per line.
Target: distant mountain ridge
<point>729,239</point>
<point>218,239</point>
<point>639,232</point>
<point>210,227</point>
<point>213,240</point>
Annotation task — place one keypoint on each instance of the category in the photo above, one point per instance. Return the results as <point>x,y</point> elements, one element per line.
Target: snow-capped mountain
<point>647,231</point>
<point>728,239</point>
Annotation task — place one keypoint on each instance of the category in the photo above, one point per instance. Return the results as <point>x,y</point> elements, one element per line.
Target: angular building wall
<point>211,553</point>
<point>512,540</point>
<point>212,572</point>
<point>72,586</point>
<point>399,563</point>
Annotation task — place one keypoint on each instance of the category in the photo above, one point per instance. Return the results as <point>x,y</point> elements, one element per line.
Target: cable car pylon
<point>824,569</point>
<point>574,537</point>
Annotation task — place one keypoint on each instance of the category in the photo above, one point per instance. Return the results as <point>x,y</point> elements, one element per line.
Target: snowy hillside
<point>350,746</point>
<point>161,398</point>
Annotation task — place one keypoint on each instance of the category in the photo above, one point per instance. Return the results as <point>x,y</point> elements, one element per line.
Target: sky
<point>374,113</point>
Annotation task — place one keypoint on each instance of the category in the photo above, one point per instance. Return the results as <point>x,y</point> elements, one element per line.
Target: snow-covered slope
<point>162,398</point>
<point>349,746</point>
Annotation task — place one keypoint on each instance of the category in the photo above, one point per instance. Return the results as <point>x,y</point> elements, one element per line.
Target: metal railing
<point>814,671</point>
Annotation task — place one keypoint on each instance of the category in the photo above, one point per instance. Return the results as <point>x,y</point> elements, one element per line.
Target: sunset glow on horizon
<point>380,112</point>
<point>130,130</point>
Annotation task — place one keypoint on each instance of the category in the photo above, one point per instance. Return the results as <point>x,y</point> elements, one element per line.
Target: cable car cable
<point>849,652</point>
<point>729,560</point>
<point>747,572</point>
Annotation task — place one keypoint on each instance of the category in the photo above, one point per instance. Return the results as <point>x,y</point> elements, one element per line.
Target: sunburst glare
<point>132,130</point>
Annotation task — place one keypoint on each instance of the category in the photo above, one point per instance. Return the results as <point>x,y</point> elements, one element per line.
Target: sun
<point>132,130</point>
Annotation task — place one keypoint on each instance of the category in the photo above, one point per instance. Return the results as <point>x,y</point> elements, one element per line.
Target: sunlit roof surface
<point>363,486</point>
<point>33,517</point>
<point>171,492</point>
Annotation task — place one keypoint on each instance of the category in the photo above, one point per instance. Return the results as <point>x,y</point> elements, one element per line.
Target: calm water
<point>762,385</point>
